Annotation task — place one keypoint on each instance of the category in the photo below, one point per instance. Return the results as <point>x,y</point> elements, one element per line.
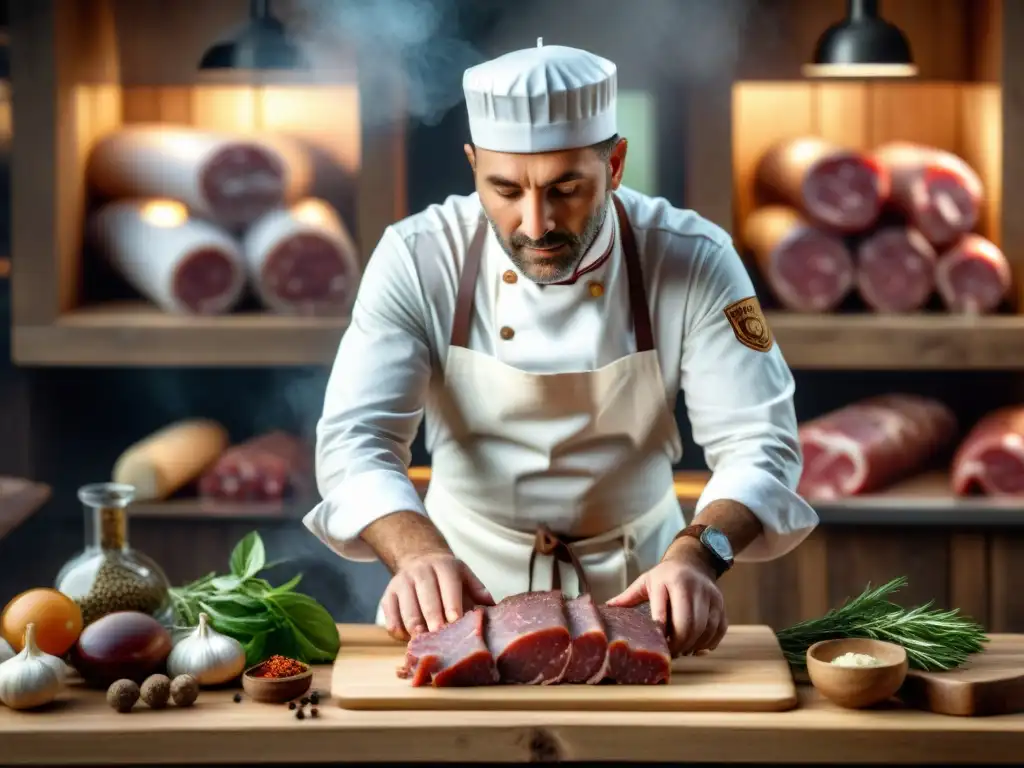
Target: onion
<point>123,645</point>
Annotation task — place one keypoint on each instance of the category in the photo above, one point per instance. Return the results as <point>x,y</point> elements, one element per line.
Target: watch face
<point>718,543</point>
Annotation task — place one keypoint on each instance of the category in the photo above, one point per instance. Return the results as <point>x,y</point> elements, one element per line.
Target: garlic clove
<point>210,657</point>
<point>30,679</point>
<point>6,652</point>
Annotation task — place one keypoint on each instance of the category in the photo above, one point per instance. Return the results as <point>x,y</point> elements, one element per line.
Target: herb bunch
<point>935,640</point>
<point>265,619</point>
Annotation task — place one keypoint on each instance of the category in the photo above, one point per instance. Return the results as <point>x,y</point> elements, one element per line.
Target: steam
<point>409,45</point>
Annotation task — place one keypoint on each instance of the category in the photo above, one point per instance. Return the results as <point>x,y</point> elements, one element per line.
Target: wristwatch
<point>715,543</point>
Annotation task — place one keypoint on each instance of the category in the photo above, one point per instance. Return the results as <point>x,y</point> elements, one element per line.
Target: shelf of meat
<point>878,243</point>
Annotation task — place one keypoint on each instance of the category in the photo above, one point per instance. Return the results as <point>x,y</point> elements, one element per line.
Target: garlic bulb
<point>210,657</point>
<point>30,679</point>
<point>6,652</point>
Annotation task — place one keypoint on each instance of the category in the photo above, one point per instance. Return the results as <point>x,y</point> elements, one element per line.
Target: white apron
<point>569,472</point>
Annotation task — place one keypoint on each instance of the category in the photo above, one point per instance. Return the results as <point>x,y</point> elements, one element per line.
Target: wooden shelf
<point>900,342</point>
<point>135,334</point>
<point>923,500</point>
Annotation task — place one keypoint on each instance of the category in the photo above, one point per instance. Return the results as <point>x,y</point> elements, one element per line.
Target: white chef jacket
<point>739,400</point>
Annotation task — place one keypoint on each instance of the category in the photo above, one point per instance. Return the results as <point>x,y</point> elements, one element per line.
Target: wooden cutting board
<point>747,672</point>
<point>991,683</point>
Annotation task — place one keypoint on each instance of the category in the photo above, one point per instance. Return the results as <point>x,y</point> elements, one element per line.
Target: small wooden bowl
<point>857,687</point>
<point>276,690</point>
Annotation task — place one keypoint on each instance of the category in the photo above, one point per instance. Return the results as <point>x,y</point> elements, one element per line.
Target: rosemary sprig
<point>935,640</point>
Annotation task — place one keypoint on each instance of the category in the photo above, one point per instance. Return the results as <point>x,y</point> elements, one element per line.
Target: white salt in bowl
<point>857,687</point>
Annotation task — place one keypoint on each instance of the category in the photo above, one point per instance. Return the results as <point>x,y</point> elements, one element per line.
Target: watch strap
<point>696,531</point>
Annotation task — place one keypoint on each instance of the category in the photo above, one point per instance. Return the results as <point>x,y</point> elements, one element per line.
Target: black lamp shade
<point>862,45</point>
<point>262,45</point>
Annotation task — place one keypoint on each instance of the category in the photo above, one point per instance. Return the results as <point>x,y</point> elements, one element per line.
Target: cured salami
<point>990,460</point>
<point>182,264</point>
<point>838,188</point>
<point>895,270</point>
<point>865,446</point>
<point>973,277</point>
<point>937,191</point>
<point>270,467</point>
<point>806,268</point>
<point>228,178</point>
<point>302,261</point>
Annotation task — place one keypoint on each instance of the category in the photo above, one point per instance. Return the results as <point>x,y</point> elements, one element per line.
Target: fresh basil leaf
<point>248,557</point>
<point>236,604</point>
<point>257,588</point>
<point>226,583</point>
<point>249,625</point>
<point>288,586</point>
<point>255,649</point>
<point>311,621</point>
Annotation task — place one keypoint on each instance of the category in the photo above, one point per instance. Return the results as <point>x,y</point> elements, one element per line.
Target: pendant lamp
<point>262,45</point>
<point>863,45</point>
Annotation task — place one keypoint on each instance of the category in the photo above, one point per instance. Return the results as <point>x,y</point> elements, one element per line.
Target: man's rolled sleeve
<point>739,397</point>
<point>373,406</point>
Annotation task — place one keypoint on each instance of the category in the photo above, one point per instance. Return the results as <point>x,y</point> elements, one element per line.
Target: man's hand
<point>684,599</point>
<point>429,591</point>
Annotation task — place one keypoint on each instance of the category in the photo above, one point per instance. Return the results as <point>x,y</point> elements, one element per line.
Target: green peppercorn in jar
<point>108,575</point>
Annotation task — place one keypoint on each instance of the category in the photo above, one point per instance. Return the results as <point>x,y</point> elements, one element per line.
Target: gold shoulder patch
<point>749,324</point>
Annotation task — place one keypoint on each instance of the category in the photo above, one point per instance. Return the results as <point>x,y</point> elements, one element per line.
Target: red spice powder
<point>279,666</point>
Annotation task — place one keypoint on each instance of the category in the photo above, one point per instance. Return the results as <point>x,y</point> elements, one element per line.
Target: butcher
<point>544,326</point>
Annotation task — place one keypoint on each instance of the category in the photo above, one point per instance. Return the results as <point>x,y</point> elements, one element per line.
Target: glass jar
<point>109,575</point>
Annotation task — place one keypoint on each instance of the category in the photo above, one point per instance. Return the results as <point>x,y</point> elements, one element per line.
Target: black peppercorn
<point>300,715</point>
<point>314,697</point>
<point>291,705</point>
<point>238,698</point>
<point>314,712</point>
<point>304,700</point>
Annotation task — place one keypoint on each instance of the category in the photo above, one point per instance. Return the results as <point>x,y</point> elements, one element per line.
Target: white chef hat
<point>541,99</point>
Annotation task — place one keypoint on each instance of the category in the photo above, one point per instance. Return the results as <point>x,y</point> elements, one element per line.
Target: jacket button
<point>506,333</point>
<point>509,277</point>
<point>596,289</point>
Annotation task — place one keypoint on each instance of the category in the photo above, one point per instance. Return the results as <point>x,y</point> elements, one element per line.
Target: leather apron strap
<point>546,541</point>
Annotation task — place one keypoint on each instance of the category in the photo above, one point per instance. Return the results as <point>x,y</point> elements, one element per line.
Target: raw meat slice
<point>529,636</point>
<point>864,446</point>
<point>806,268</point>
<point>841,189</point>
<point>895,270</point>
<point>266,468</point>
<point>991,457</point>
<point>973,277</point>
<point>588,662</point>
<point>936,190</point>
<point>454,655</point>
<point>302,260</point>
<point>638,653</point>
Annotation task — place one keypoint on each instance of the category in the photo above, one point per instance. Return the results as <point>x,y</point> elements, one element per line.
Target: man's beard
<point>559,266</point>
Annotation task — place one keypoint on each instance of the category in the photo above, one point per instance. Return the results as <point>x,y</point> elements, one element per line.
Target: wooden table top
<point>81,729</point>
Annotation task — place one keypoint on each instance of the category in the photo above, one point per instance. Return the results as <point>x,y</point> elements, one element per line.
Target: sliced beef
<point>867,445</point>
<point>991,457</point>
<point>455,655</point>
<point>588,662</point>
<point>638,653</point>
<point>529,637</point>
